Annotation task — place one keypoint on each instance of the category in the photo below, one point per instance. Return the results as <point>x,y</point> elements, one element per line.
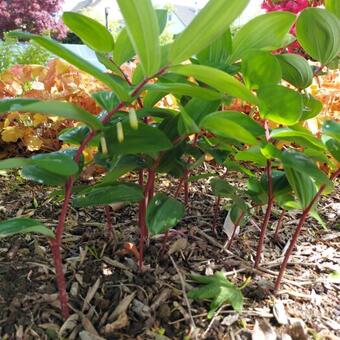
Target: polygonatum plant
<point>203,70</point>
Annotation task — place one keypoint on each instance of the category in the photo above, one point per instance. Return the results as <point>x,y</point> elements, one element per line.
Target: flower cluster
<point>36,16</point>
<point>294,6</point>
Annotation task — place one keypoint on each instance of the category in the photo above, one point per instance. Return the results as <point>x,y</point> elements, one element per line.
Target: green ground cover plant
<point>204,69</point>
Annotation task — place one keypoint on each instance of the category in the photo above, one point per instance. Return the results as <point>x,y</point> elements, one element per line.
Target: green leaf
<point>318,32</point>
<point>295,70</point>
<point>55,162</point>
<point>232,124</point>
<point>331,128</point>
<point>52,108</point>
<point>302,184</point>
<point>304,138</point>
<point>76,135</point>
<point>219,290</point>
<point>312,107</point>
<point>162,18</point>
<point>74,59</point>
<point>222,188</point>
<point>6,104</point>
<point>90,31</point>
<point>208,25</point>
<point>265,32</point>
<point>260,68</point>
<point>186,125</point>
<point>253,154</point>
<point>146,139</point>
<point>181,89</point>
<point>107,100</point>
<point>279,182</point>
<point>143,30</point>
<point>333,146</point>
<point>123,50</point>
<point>39,175</point>
<point>121,166</point>
<point>108,194</point>
<point>217,79</point>
<point>300,162</point>
<point>333,6</point>
<point>280,104</point>
<point>22,226</point>
<point>163,213</point>
<point>216,54</point>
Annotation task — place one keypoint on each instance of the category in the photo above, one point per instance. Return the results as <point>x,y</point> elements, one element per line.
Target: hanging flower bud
<point>103,145</point>
<point>133,119</point>
<point>120,132</point>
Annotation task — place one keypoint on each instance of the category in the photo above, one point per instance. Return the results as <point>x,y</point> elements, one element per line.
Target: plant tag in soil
<point>228,226</point>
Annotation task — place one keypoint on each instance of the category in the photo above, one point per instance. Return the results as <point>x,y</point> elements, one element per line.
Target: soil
<point>110,298</point>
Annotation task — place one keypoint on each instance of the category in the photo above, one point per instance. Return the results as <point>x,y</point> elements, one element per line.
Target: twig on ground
<point>193,325</point>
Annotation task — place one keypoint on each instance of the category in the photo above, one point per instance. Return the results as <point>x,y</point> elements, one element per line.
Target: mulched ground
<point>111,299</point>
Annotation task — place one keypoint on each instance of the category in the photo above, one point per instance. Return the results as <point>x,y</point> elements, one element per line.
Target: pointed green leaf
<point>218,289</point>
<point>163,213</point>
<point>216,54</point>
<point>318,32</point>
<point>221,187</point>
<point>280,104</point>
<point>22,226</point>
<point>74,59</point>
<point>312,107</point>
<point>108,194</point>
<point>253,154</point>
<point>333,146</point>
<point>304,138</point>
<point>221,81</point>
<point>146,139</point>
<point>302,163</point>
<point>260,68</point>
<point>54,162</point>
<point>143,30</point>
<point>331,128</point>
<point>265,32</point>
<point>208,25</point>
<point>182,89</point>
<point>91,32</point>
<point>234,125</point>
<point>302,184</point>
<point>295,70</point>
<point>51,108</point>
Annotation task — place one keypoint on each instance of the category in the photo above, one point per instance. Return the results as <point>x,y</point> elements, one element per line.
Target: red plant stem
<point>186,186</point>
<point>179,187</point>
<point>279,224</point>
<point>152,173</point>
<point>143,206</point>
<point>108,219</point>
<point>303,218</point>
<point>237,223</point>
<point>270,202</point>
<point>216,213</point>
<point>60,277</point>
<point>266,217</point>
<point>56,242</point>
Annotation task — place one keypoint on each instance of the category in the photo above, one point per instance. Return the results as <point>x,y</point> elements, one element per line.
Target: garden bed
<point>111,298</point>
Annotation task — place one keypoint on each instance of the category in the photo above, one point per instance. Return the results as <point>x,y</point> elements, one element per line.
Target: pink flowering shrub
<point>36,16</point>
